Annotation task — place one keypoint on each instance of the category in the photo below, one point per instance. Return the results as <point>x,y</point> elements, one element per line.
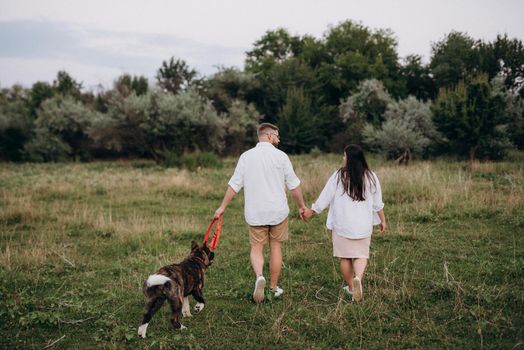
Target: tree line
<point>349,86</point>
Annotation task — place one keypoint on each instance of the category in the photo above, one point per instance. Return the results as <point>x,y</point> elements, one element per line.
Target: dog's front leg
<point>199,297</point>
<point>176,308</point>
<point>186,312</point>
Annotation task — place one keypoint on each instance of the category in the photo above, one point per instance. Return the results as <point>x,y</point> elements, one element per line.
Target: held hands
<point>306,213</point>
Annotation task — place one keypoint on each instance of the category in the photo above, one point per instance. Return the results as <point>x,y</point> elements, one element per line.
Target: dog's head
<point>203,252</point>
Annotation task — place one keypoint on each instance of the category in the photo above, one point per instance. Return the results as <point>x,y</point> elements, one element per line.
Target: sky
<point>98,40</point>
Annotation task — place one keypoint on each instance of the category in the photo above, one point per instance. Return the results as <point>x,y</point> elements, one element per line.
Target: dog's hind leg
<point>186,312</point>
<point>153,305</point>
<point>199,297</point>
<point>176,308</point>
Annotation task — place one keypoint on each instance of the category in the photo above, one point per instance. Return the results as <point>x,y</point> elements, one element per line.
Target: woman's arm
<point>378,205</point>
<point>327,194</point>
<point>383,225</point>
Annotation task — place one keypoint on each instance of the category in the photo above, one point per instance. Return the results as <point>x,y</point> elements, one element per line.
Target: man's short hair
<point>263,128</point>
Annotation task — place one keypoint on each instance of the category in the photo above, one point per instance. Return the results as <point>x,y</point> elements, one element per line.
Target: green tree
<point>357,53</point>
<point>229,85</point>
<point>515,109</point>
<point>297,123</point>
<point>65,85</point>
<point>504,57</point>
<point>273,48</point>
<point>292,73</point>
<point>312,51</point>
<point>122,85</point>
<point>126,84</point>
<point>275,63</point>
<point>140,85</point>
<point>326,70</point>
<point>40,91</point>
<point>417,77</point>
<point>472,117</point>
<point>454,58</point>
<point>516,113</point>
<point>175,75</point>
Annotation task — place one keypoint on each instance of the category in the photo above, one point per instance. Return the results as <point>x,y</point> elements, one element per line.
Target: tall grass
<point>78,240</point>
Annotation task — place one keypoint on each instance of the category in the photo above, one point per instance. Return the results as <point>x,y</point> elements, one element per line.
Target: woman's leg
<point>359,265</point>
<point>347,271</point>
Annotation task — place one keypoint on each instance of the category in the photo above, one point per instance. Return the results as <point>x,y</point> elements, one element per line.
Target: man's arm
<point>230,193</point>
<point>299,199</point>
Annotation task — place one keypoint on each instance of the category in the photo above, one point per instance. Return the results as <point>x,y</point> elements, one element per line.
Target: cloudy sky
<point>97,40</point>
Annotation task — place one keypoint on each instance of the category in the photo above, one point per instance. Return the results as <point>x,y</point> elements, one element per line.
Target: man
<point>265,172</point>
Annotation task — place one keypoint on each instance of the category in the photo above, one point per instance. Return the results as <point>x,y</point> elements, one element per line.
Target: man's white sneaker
<point>258,294</point>
<point>357,289</point>
<point>277,291</point>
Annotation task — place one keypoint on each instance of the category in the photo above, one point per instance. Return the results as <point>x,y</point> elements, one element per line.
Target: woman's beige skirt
<point>350,248</point>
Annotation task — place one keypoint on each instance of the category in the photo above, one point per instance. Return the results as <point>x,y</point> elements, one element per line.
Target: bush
<point>241,127</point>
<point>15,123</point>
<point>45,147</point>
<point>408,130</point>
<point>367,105</point>
<point>157,121</point>
<point>61,130</point>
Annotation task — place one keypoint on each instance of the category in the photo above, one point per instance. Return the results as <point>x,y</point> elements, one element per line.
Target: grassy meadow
<point>78,240</point>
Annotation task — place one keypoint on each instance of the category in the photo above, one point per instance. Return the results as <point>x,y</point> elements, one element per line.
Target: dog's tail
<point>157,280</point>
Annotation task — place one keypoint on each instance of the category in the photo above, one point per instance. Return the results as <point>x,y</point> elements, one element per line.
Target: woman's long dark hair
<point>355,172</point>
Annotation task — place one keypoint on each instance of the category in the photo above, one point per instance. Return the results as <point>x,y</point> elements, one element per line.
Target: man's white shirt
<point>264,172</point>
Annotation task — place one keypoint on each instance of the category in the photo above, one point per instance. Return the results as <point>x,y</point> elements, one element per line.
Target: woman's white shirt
<point>347,217</point>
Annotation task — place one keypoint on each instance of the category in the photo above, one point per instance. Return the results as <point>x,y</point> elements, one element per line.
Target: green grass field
<point>78,240</point>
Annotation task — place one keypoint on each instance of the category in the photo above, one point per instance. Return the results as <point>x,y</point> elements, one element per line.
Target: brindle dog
<point>175,283</point>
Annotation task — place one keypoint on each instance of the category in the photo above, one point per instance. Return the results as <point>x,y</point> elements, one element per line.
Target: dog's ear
<point>194,246</point>
<point>204,245</point>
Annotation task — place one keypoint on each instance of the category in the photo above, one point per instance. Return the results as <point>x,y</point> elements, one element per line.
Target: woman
<point>354,197</point>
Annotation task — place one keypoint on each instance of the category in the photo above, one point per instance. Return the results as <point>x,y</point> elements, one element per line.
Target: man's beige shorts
<point>263,234</point>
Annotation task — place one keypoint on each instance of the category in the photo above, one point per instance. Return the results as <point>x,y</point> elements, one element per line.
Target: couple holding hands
<point>352,193</point>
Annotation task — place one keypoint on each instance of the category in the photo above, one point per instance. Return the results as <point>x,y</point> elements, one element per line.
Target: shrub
<point>367,105</point>
<point>408,130</point>
<point>15,123</point>
<point>61,130</point>
<point>242,121</point>
<point>153,123</point>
